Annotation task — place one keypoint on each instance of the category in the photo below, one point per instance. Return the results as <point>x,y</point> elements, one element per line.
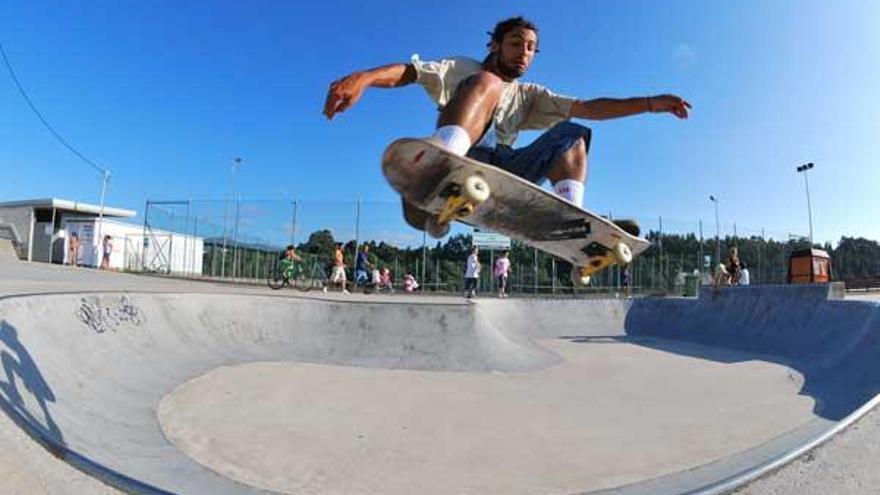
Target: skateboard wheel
<point>622,254</point>
<point>465,210</point>
<point>434,229</point>
<point>579,278</point>
<point>476,189</point>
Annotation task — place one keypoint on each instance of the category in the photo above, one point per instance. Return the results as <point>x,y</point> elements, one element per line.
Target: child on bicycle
<point>288,258</point>
<point>290,254</point>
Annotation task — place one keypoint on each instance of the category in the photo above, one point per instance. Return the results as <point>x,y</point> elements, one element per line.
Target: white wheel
<point>434,230</point>
<point>579,278</point>
<point>476,189</point>
<point>622,254</point>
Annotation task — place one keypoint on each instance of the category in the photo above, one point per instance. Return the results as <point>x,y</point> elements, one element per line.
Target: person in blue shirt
<point>362,266</point>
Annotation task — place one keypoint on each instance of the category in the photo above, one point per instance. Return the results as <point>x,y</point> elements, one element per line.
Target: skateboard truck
<point>461,200</point>
<point>620,254</point>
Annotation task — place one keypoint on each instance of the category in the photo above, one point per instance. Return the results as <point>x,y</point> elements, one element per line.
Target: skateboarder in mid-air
<point>483,106</point>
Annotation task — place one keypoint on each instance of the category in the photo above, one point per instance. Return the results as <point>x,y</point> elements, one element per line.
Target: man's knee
<point>483,82</point>
<point>473,104</point>
<point>578,150</point>
<point>572,163</point>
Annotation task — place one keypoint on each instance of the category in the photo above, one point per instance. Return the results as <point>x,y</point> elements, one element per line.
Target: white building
<point>133,249</point>
<point>41,231</point>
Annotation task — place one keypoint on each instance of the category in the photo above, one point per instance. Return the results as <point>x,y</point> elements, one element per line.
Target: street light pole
<point>803,168</point>
<point>105,178</point>
<point>717,232</point>
<point>235,162</point>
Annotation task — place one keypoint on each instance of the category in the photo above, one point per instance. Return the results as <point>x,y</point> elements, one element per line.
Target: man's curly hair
<point>508,25</point>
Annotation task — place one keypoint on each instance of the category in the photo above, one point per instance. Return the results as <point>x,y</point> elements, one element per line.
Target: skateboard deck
<point>447,187</point>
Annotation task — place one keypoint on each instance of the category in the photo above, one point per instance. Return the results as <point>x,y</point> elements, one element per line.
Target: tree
<point>320,242</point>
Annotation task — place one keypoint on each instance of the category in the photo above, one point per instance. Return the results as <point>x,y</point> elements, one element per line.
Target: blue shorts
<point>534,161</point>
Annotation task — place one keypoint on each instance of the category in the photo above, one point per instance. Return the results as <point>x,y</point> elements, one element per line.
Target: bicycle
<point>299,275</point>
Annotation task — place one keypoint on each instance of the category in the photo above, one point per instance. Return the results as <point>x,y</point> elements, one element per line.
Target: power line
<point>48,126</point>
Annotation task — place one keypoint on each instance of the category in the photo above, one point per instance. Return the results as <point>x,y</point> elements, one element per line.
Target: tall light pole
<point>105,178</point>
<point>803,168</point>
<point>717,232</point>
<point>236,162</point>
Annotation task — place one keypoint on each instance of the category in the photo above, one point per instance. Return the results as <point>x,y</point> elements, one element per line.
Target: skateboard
<point>438,188</point>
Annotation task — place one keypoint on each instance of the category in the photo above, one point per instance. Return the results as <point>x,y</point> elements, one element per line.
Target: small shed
<point>809,266</point>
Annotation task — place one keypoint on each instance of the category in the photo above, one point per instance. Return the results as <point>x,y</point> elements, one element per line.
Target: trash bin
<point>691,283</point>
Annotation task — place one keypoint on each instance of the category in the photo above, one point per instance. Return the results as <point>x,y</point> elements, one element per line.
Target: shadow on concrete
<point>22,376</point>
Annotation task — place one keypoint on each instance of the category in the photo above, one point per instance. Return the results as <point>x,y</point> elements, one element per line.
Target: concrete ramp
<point>201,393</point>
<point>834,343</point>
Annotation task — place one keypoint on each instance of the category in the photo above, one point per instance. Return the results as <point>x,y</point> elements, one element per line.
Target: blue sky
<point>166,93</point>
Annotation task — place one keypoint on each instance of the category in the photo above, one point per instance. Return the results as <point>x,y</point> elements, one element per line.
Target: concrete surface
<point>157,386</point>
<point>7,251</point>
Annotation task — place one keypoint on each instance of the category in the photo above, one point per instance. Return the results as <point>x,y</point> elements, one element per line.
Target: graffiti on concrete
<point>102,315</point>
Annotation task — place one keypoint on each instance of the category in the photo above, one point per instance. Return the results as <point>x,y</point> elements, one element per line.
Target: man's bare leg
<point>569,173</point>
<point>464,119</point>
<point>461,123</point>
<point>568,176</point>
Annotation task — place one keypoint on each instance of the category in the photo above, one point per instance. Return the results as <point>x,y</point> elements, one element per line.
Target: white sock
<point>570,190</point>
<point>454,138</point>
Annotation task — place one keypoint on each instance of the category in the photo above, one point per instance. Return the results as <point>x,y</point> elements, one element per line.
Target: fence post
<point>535,266</point>
<point>225,222</point>
<point>293,225</point>
<point>424,256</point>
<point>195,230</point>
<point>357,233</point>
<point>145,238</point>
<point>700,264</point>
<point>519,275</point>
<point>664,275</point>
<point>236,254</point>
<point>491,271</point>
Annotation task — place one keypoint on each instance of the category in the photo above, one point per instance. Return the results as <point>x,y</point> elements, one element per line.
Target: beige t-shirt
<point>522,105</point>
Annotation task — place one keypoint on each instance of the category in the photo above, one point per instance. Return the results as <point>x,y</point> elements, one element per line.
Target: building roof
<point>815,253</point>
<point>67,205</point>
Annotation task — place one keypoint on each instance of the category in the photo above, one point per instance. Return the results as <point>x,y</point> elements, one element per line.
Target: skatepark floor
<point>154,385</point>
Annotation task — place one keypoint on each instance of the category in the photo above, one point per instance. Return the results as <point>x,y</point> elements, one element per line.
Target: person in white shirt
<point>744,274</point>
<point>472,274</point>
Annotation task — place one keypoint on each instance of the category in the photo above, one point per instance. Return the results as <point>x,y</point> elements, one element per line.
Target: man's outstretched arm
<point>612,108</point>
<point>347,91</point>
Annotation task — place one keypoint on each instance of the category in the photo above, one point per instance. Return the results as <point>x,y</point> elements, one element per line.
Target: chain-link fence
<point>242,239</point>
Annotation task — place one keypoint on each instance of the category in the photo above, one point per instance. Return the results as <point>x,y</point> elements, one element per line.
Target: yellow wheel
<point>579,277</point>
<point>475,189</point>
<point>622,254</point>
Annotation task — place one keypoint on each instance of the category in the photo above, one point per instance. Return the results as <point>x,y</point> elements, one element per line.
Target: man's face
<point>515,53</point>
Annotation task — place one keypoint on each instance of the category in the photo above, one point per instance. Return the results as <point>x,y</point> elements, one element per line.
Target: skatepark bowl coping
<point>228,393</point>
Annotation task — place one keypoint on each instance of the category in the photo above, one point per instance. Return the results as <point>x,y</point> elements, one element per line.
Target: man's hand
<point>344,93</point>
<point>669,103</point>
